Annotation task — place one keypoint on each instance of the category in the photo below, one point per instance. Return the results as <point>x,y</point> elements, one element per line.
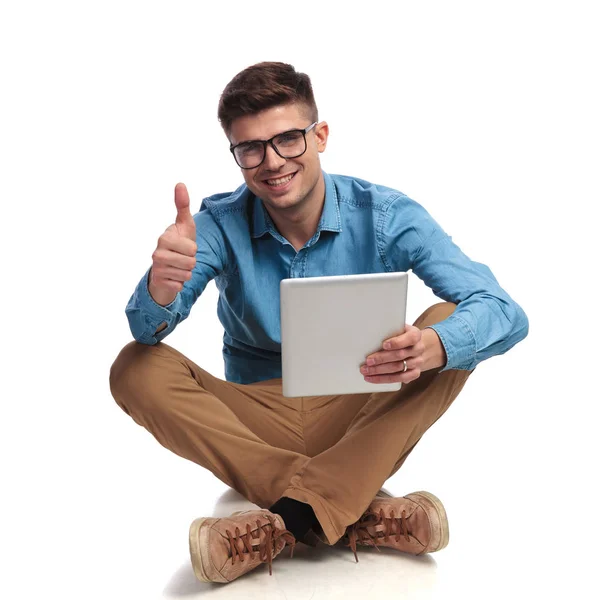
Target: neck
<point>298,224</point>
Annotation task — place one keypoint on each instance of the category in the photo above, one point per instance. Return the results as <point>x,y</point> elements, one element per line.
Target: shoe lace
<point>266,549</point>
<point>358,533</point>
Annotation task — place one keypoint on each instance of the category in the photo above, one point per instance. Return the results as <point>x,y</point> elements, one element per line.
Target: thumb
<point>184,222</point>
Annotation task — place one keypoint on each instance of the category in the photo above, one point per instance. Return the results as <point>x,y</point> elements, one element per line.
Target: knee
<point>124,364</point>
<point>435,313</point>
<point>129,371</point>
<point>443,310</point>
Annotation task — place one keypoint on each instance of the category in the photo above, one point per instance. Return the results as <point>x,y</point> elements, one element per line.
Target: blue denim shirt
<point>364,228</point>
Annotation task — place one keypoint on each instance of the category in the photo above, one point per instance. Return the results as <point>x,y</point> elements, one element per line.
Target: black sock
<point>298,517</point>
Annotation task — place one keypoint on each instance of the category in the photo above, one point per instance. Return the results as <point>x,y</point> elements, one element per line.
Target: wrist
<point>160,296</point>
<point>434,355</point>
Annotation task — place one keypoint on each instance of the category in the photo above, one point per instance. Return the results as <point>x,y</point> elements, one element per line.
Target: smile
<point>281,181</point>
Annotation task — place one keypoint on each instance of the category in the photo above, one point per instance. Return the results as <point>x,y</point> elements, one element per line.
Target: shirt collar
<point>330,217</point>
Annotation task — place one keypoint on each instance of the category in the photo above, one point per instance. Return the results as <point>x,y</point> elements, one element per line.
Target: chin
<point>285,202</point>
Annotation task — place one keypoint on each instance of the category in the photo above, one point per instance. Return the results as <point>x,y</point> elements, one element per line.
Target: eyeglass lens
<point>290,145</point>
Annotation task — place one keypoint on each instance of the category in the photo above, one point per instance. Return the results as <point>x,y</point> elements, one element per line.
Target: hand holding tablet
<point>399,355</point>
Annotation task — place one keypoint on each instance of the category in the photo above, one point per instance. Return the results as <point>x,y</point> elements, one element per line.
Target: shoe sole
<point>196,538</point>
<point>431,501</point>
<point>382,493</point>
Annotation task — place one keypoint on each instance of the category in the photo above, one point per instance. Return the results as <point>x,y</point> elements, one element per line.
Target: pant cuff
<point>322,511</point>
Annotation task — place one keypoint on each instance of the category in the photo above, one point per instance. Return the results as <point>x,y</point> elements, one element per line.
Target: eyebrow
<point>257,140</point>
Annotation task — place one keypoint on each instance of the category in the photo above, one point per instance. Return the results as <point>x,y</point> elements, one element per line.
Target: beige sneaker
<point>315,536</point>
<point>223,549</point>
<point>416,523</point>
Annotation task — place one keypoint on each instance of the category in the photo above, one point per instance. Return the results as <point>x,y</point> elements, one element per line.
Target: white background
<point>485,113</point>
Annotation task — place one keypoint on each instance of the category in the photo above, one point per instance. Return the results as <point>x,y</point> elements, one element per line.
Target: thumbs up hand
<point>175,256</point>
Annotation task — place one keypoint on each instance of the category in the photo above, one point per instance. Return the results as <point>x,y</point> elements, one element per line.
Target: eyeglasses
<point>289,144</point>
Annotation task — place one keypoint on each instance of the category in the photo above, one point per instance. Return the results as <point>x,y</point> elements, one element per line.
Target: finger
<point>167,258</point>
<point>182,200</point>
<point>184,221</point>
<point>172,240</point>
<point>389,356</point>
<point>407,377</point>
<point>409,337</point>
<point>170,284</point>
<point>385,368</point>
<point>173,274</point>
<point>388,378</point>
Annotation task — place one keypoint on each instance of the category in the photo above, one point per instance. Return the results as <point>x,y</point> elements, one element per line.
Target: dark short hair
<point>263,86</point>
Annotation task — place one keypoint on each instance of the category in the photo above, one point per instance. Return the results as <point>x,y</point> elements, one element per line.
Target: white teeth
<point>280,181</point>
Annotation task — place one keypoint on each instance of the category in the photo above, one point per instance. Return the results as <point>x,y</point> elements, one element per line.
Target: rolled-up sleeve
<point>145,315</point>
<point>487,321</point>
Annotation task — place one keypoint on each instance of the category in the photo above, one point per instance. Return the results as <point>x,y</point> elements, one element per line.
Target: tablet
<point>329,325</point>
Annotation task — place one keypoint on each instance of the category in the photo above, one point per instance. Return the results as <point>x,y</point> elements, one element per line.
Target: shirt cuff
<point>155,313</point>
<point>458,341</point>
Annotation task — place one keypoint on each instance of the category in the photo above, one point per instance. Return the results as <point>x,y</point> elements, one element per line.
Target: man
<point>313,465</point>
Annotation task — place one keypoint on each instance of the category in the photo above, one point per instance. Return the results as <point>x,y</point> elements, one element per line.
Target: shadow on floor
<point>377,567</point>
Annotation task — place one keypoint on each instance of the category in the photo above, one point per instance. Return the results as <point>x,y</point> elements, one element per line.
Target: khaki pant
<point>332,452</point>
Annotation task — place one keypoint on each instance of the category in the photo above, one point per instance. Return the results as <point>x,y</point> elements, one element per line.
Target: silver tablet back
<point>330,324</point>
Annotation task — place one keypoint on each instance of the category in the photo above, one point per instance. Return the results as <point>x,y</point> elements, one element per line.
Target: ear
<point>321,135</point>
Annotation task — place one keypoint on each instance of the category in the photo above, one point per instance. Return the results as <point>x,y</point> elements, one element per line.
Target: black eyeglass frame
<point>270,142</point>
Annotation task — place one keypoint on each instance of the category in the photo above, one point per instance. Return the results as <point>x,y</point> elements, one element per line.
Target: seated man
<point>313,465</point>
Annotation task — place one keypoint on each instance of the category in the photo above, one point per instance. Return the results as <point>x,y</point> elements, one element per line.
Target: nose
<point>273,162</point>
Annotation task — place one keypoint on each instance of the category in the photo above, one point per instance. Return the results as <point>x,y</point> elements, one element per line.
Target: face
<point>271,180</point>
